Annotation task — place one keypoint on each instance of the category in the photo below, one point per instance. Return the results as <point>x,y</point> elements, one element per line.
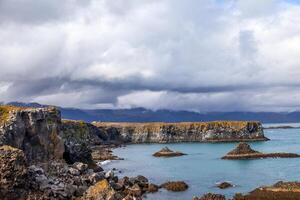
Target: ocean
<point>203,167</point>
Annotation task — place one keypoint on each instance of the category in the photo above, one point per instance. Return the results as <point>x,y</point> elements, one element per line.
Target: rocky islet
<point>166,152</point>
<point>243,151</point>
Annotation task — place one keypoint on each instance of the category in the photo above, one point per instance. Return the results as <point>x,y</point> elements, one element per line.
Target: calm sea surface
<point>202,168</point>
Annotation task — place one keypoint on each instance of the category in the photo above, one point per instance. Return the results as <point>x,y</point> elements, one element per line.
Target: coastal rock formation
<point>123,189</point>
<point>220,131</point>
<point>78,137</point>
<point>244,151</point>
<point>166,152</point>
<point>175,186</point>
<point>35,131</point>
<point>13,173</point>
<point>279,191</point>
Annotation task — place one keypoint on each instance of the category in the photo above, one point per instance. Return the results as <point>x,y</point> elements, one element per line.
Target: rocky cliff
<point>35,131</point>
<point>219,131</point>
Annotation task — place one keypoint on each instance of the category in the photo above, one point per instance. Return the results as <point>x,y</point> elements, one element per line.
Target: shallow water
<point>202,168</point>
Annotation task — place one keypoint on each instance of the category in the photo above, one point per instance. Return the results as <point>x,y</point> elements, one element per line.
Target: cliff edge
<point>218,131</point>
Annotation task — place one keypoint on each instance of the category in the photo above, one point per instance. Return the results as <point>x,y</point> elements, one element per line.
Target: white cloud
<point>196,55</point>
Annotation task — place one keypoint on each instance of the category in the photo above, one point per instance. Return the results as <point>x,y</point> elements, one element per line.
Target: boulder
<point>152,188</point>
<point>101,190</point>
<point>77,151</point>
<point>175,186</point>
<point>81,167</point>
<point>135,190</point>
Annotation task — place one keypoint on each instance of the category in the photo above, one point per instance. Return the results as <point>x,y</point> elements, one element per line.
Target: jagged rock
<point>152,188</point>
<point>175,186</point>
<point>13,173</point>
<point>95,177</point>
<point>35,131</point>
<point>77,151</point>
<point>196,198</point>
<point>109,174</point>
<point>124,181</point>
<point>224,185</point>
<point>244,151</point>
<point>140,180</point>
<point>166,152</point>
<point>135,190</point>
<point>74,172</point>
<point>211,196</point>
<point>82,131</point>
<point>81,167</point>
<point>116,186</point>
<point>101,190</point>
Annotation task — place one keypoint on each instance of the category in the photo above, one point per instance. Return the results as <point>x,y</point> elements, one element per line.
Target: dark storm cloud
<point>197,55</point>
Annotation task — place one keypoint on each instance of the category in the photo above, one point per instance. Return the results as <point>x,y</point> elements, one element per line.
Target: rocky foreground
<point>244,151</point>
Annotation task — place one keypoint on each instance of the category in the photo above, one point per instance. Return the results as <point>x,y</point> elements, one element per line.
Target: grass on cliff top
<point>232,124</point>
<point>4,112</point>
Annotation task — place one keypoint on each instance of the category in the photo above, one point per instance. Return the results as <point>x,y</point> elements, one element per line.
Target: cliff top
<point>6,109</point>
<point>232,124</point>
<point>4,112</point>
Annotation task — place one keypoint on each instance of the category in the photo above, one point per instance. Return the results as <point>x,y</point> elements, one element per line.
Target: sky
<point>199,55</point>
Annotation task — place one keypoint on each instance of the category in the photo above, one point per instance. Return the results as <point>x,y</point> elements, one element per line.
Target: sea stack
<point>244,151</point>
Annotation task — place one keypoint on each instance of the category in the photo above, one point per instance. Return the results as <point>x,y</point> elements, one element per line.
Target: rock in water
<point>166,152</point>
<point>224,185</point>
<point>244,151</point>
<point>13,173</point>
<point>175,186</point>
<point>211,196</point>
<point>242,148</point>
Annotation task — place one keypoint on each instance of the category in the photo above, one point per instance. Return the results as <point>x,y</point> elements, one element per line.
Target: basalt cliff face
<point>219,131</point>
<point>35,131</point>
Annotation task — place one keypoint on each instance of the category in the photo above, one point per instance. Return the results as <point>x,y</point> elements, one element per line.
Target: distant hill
<point>145,115</point>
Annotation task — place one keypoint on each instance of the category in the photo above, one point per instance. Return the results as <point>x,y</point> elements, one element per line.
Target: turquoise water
<point>202,168</point>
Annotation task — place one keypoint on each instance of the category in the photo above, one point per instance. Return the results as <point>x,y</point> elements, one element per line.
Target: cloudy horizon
<point>213,55</point>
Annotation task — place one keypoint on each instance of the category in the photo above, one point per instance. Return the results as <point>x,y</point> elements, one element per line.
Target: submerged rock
<point>175,186</point>
<point>166,152</point>
<point>244,151</point>
<point>224,185</point>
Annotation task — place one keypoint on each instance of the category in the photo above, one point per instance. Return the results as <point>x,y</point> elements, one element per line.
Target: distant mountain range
<point>145,115</point>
